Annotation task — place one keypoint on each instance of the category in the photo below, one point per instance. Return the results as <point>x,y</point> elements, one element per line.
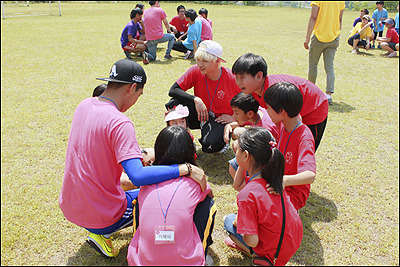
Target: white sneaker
<point>354,51</point>
<point>329,97</point>
<point>145,58</point>
<point>188,54</point>
<point>209,260</point>
<point>392,54</point>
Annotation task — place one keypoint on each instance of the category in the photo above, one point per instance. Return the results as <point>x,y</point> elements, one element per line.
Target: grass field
<point>49,64</point>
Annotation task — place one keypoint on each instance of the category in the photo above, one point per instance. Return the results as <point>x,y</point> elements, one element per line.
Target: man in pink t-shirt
<point>153,18</point>
<point>251,76</point>
<point>206,30</point>
<point>102,143</point>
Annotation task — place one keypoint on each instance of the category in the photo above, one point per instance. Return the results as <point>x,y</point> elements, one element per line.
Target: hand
<point>201,109</point>
<point>368,46</point>
<point>149,157</point>
<point>198,176</point>
<point>180,38</point>
<point>145,42</point>
<point>235,222</point>
<point>271,190</point>
<point>211,194</point>
<point>306,42</point>
<point>225,118</point>
<point>227,132</point>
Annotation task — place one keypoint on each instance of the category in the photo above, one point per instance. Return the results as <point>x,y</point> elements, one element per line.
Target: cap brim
<point>112,80</point>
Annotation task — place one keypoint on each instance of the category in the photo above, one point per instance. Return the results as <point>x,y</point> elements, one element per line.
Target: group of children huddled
<point>278,124</point>
<point>366,30</point>
<point>145,31</point>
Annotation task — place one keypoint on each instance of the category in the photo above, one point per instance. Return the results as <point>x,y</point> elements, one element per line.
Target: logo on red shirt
<point>289,157</point>
<point>220,94</point>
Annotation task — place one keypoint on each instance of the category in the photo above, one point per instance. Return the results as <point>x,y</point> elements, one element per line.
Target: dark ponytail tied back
<point>260,143</point>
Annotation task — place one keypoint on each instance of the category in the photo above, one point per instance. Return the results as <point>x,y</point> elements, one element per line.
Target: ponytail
<point>260,143</point>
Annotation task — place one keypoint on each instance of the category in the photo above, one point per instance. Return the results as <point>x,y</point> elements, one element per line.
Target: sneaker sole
<point>100,249</point>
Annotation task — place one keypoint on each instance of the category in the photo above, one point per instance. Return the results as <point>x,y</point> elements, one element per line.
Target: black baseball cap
<point>126,71</point>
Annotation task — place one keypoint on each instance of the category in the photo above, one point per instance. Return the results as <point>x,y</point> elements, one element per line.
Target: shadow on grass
<point>317,209</point>
<point>88,256</point>
<point>341,107</point>
<point>364,53</point>
<point>216,166</point>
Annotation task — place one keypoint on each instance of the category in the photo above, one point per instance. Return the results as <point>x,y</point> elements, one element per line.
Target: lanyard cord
<point>253,177</point>
<point>159,199</point>
<point>258,118</point>
<point>280,138</point>
<point>208,92</point>
<point>109,99</point>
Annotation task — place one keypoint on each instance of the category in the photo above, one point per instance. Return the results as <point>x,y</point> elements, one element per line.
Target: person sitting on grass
<point>102,143</point>
<point>129,43</point>
<point>141,35</point>
<point>246,111</point>
<point>358,33</point>
<point>179,24</point>
<point>190,44</point>
<point>389,42</point>
<point>284,102</point>
<point>209,108</point>
<point>262,219</point>
<point>167,233</point>
<point>251,77</point>
<point>364,12</point>
<point>204,13</point>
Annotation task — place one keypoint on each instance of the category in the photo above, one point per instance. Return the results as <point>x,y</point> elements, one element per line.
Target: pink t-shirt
<point>206,31</point>
<point>315,104</point>
<point>152,19</point>
<point>221,98</point>
<point>299,157</point>
<point>260,213</point>
<point>188,248</point>
<point>100,138</point>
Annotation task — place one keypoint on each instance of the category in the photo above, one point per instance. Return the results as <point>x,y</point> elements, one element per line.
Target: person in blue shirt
<point>380,14</point>
<point>190,44</point>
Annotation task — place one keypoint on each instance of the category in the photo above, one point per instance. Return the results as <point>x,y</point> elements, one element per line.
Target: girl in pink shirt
<point>167,232</point>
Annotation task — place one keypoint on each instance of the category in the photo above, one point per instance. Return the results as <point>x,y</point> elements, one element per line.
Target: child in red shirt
<point>284,102</point>
<point>257,228</point>
<point>389,42</point>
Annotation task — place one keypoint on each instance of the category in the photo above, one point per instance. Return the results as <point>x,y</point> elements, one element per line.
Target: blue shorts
<point>231,229</point>
<point>234,164</point>
<point>126,219</point>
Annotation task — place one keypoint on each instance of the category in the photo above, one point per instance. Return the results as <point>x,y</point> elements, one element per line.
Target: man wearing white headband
<point>214,87</point>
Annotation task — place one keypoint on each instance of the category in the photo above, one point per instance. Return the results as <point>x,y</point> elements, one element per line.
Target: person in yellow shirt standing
<point>326,24</point>
<point>361,31</point>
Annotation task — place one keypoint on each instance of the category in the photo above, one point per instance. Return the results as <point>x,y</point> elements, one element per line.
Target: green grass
<point>49,64</point>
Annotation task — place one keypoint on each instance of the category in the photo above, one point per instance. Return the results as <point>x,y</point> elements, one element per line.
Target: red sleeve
<point>187,80</point>
<point>247,221</point>
<point>306,157</point>
<point>389,34</point>
<point>174,22</point>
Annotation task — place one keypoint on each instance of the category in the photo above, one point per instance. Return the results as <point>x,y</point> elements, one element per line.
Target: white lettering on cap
<point>113,72</point>
<point>137,78</point>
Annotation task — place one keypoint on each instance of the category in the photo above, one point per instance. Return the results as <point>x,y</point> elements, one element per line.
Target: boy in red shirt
<point>284,102</point>
<point>389,42</point>
<point>251,76</point>
<point>179,24</point>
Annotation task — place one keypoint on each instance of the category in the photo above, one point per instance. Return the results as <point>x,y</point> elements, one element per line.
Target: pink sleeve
<point>125,142</point>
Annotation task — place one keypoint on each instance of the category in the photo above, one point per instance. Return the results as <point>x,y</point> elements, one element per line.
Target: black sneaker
<point>167,57</point>
<point>128,54</point>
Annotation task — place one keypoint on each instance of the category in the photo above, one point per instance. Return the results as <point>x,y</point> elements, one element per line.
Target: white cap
<point>177,113</point>
<point>212,48</point>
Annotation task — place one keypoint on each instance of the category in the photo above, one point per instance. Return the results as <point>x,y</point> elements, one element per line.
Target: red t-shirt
<point>299,157</point>
<point>260,213</point>
<point>315,104</point>
<point>180,24</point>
<point>206,89</point>
<point>391,33</point>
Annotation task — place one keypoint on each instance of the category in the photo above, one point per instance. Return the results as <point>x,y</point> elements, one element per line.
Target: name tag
<point>164,234</point>
<point>212,114</point>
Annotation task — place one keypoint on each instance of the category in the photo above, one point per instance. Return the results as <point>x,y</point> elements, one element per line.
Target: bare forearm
<point>306,177</point>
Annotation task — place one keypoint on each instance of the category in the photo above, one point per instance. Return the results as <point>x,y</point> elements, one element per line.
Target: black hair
<point>203,11</point>
<point>245,102</point>
<point>180,7</point>
<point>284,96</point>
<point>191,14</point>
<point>380,2</point>
<point>365,11</point>
<point>174,146</point>
<point>152,3</point>
<point>136,11</point>
<point>116,85</point>
<point>99,89</point>
<point>140,5</point>
<point>256,141</point>
<point>251,64</point>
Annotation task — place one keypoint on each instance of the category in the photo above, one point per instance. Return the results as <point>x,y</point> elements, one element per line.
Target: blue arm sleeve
<point>140,175</point>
